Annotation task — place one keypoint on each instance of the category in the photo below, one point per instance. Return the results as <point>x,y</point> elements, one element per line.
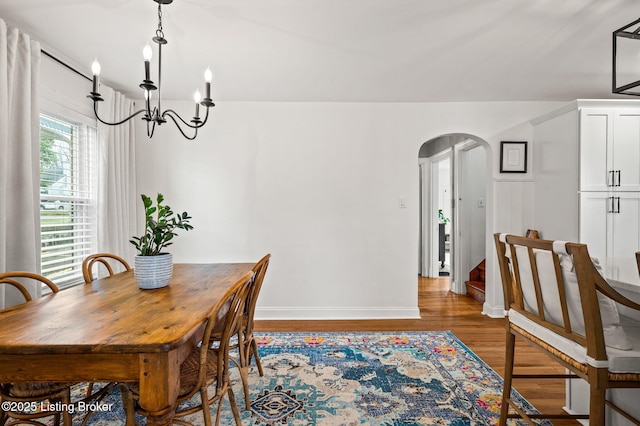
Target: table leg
<point>159,386</point>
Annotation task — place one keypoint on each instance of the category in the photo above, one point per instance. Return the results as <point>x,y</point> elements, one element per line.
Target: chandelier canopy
<point>155,115</point>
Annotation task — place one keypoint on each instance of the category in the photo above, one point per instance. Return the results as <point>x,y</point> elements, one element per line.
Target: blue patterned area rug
<point>409,378</point>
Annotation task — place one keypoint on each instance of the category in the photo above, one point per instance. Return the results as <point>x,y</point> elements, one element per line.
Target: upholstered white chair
<point>558,301</point>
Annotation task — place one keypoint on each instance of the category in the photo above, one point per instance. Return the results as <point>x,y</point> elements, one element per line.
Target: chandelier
<point>626,59</point>
<point>155,115</point>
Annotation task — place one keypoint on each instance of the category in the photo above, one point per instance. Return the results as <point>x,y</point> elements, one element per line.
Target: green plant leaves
<point>160,225</point>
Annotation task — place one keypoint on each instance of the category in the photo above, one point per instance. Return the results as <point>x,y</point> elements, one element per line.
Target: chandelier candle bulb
<point>197,97</point>
<point>95,69</point>
<point>208,76</point>
<point>147,53</point>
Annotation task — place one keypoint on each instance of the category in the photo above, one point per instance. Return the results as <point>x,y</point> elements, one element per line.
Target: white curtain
<point>116,176</point>
<point>19,157</point>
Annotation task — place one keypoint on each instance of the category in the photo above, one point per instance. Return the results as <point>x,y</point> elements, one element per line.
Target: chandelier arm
<point>180,127</point>
<point>95,110</point>
<point>171,113</point>
<point>153,129</point>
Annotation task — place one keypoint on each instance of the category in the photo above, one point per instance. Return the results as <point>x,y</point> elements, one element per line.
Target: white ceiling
<point>341,50</point>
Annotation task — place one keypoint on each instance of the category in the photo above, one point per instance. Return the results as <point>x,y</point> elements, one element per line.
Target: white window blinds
<point>67,197</point>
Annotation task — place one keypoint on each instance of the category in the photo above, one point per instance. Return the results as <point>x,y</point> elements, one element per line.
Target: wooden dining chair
<point>108,260</point>
<point>245,345</point>
<point>31,394</point>
<point>558,301</point>
<point>205,365</point>
<point>248,347</point>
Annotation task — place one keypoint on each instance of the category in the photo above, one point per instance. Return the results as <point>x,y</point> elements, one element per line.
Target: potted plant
<point>153,267</point>
<point>442,218</point>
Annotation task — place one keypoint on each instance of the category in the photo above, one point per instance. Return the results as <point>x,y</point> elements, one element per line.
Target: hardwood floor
<point>442,310</point>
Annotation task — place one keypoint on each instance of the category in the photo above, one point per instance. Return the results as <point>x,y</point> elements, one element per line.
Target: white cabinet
<point>609,149</point>
<point>626,150</point>
<point>609,223</point>
<point>609,146</point>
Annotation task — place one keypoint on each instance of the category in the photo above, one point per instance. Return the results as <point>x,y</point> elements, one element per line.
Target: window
<point>67,197</point>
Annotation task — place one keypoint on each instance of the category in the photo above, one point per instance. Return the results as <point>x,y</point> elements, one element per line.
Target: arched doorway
<point>453,207</point>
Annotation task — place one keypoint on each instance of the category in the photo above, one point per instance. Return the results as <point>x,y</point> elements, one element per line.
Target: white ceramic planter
<point>153,271</point>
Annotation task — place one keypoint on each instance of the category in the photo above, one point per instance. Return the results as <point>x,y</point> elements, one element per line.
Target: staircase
<point>475,285</point>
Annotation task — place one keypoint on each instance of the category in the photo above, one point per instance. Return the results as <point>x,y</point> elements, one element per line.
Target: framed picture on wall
<point>513,157</point>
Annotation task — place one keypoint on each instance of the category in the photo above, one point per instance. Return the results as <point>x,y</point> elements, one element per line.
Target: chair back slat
<point>505,273</point>
<point>562,294</point>
<point>536,282</point>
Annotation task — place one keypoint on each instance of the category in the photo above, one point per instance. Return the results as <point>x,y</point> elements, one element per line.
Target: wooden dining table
<point>112,331</point>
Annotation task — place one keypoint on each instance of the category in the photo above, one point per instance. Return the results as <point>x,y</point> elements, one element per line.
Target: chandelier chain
<point>159,32</point>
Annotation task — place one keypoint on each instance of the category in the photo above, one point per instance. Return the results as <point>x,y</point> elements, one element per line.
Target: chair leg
<point>254,351</point>
<point>245,359</point>
<point>129,405</point>
<point>508,377</point>
<point>3,415</point>
<point>206,410</point>
<point>234,406</point>
<point>66,415</point>
<point>89,390</point>
<point>244,374</point>
<point>597,406</point>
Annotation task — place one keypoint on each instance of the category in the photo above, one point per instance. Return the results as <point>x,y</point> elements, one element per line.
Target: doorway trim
<point>451,144</point>
<point>433,218</point>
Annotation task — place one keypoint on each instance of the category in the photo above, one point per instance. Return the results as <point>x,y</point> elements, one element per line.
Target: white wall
<point>318,186</point>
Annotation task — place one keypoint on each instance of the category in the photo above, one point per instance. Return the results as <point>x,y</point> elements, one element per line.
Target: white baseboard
<point>336,313</point>
<point>493,311</point>
<point>581,421</point>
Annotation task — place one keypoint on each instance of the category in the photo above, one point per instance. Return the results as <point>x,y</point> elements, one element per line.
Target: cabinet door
<point>610,223</point>
<point>595,222</point>
<point>625,224</point>
<point>626,150</point>
<point>596,133</point>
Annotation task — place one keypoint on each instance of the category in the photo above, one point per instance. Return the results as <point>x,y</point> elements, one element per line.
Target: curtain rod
<point>64,64</point>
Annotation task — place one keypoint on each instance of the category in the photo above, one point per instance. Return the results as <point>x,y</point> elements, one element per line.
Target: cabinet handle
<point>618,209</point>
<point>618,182</point>
<point>612,179</point>
<point>610,206</point>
